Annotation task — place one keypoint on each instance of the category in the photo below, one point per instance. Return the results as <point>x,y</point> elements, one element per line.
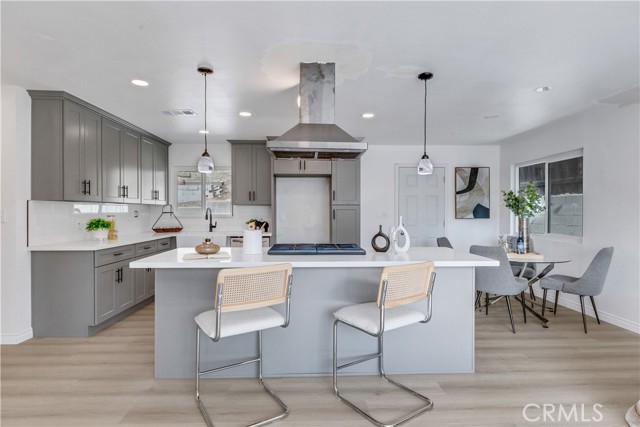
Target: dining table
<point>532,260</point>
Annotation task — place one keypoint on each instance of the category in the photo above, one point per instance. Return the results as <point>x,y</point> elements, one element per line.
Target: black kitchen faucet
<point>208,215</point>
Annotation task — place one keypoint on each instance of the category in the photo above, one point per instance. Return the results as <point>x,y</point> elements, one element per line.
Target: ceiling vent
<point>179,112</point>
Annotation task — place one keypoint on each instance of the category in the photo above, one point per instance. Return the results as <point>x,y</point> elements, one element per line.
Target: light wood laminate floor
<point>107,380</point>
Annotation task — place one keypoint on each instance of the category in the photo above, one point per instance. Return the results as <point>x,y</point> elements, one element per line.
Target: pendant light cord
<point>205,113</point>
<point>425,116</point>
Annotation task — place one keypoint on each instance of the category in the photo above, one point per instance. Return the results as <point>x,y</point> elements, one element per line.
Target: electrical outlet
<point>78,225</point>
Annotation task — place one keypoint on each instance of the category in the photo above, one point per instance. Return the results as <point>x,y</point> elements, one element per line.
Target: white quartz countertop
<point>96,245</point>
<point>442,257</point>
<point>123,240</point>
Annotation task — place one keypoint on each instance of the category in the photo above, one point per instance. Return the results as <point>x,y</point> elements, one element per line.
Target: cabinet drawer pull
<point>334,195</point>
<point>334,214</point>
<point>164,244</point>
<point>89,184</point>
<point>126,191</point>
<point>254,196</point>
<point>84,186</point>
<point>118,253</point>
<point>147,247</point>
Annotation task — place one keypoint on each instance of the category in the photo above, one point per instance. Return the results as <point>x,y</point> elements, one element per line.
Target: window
<point>559,180</point>
<point>198,191</point>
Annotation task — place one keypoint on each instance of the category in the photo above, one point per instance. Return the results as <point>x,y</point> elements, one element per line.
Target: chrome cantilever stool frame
<point>399,286</point>
<point>243,301</point>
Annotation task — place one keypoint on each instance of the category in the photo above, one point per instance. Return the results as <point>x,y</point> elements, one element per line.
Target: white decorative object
<point>400,230</point>
<point>252,242</point>
<point>101,234</point>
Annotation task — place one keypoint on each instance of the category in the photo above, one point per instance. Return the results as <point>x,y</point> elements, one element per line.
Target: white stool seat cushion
<point>367,317</point>
<point>239,322</point>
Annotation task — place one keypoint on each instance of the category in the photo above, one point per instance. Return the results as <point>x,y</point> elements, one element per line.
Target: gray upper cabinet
<point>120,163</point>
<point>82,153</point>
<point>345,182</point>
<point>251,173</point>
<point>81,148</point>
<point>154,157</point>
<point>285,167</point>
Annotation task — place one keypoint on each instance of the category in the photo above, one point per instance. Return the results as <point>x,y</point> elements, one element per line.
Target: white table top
<point>442,257</point>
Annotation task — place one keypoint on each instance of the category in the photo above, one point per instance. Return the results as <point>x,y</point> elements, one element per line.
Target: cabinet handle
<point>84,186</point>
<point>118,275</point>
<point>249,195</point>
<point>89,184</point>
<point>304,164</point>
<point>118,253</point>
<point>334,214</point>
<point>299,164</point>
<point>147,247</point>
<point>334,195</point>
<point>126,191</point>
<point>164,244</point>
<point>254,196</point>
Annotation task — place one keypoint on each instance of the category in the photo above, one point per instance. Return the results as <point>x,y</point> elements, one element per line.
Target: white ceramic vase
<point>99,234</point>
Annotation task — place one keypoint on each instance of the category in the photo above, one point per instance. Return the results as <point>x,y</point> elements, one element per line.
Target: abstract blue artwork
<point>472,192</point>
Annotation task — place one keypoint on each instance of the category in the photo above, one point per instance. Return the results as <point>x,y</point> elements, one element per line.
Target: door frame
<point>447,199</point>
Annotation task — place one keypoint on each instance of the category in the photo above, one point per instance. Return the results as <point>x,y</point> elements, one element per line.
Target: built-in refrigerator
<point>303,209</point>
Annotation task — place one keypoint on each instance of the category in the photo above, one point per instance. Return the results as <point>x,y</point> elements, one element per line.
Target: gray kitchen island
<point>321,285</point>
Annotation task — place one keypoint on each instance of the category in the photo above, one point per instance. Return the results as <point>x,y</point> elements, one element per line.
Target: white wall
<point>15,273</point>
<point>610,137</point>
<point>378,187</point>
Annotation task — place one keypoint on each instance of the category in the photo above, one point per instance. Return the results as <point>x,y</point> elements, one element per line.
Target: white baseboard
<point>574,304</point>
<point>16,338</point>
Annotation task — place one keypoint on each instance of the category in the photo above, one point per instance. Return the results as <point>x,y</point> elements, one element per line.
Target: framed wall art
<point>472,193</point>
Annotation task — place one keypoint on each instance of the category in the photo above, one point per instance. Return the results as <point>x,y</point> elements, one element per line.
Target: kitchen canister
<point>252,242</point>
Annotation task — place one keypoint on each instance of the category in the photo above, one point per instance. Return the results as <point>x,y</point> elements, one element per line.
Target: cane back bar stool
<point>399,286</point>
<point>243,301</point>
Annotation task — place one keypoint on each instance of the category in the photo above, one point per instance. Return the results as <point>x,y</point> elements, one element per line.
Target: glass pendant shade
<point>425,167</point>
<point>205,164</point>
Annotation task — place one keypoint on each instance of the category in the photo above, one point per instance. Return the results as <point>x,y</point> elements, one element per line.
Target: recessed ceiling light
<point>203,131</point>
<point>245,113</point>
<point>368,115</point>
<point>492,116</point>
<point>140,82</point>
<point>543,89</point>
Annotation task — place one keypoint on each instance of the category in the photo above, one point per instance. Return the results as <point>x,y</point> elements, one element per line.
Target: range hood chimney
<point>317,136</point>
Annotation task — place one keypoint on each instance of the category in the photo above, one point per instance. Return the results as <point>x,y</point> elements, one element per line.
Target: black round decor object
<point>377,248</point>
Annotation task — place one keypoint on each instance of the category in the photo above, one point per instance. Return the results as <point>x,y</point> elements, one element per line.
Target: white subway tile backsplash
<point>56,222</point>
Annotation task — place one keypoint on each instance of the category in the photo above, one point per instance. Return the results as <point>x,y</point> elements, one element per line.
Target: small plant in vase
<point>527,202</point>
<point>99,228</point>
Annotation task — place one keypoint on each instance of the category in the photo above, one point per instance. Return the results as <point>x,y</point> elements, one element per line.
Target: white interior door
<point>421,204</point>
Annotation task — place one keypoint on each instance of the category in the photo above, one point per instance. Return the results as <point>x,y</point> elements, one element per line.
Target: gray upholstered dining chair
<point>498,280</point>
<point>443,242</point>
<point>591,283</point>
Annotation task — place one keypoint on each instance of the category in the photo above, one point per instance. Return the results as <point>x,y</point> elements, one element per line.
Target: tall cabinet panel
<point>345,201</point>
<point>251,173</point>
<point>81,153</point>
<point>120,163</point>
<point>345,224</point>
<point>153,166</point>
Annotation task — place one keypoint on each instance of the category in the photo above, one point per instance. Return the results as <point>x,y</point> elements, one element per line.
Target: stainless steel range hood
<point>317,136</point>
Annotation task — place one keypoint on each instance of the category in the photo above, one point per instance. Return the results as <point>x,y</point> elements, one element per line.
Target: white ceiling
<point>487,57</point>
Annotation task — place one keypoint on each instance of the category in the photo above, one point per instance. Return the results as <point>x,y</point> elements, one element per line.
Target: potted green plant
<point>99,228</point>
<point>527,202</point>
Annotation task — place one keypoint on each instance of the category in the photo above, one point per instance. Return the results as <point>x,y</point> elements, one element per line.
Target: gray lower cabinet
<point>345,224</point>
<point>77,293</point>
<point>154,158</point>
<point>114,290</point>
<point>250,173</point>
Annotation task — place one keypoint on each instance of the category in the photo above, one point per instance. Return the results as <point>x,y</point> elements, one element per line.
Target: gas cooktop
<point>316,249</point>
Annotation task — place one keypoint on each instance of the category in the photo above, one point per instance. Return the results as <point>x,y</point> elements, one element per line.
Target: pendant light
<point>425,167</point>
<point>205,164</point>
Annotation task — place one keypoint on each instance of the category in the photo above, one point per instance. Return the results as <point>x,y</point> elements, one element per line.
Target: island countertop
<point>442,257</point>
